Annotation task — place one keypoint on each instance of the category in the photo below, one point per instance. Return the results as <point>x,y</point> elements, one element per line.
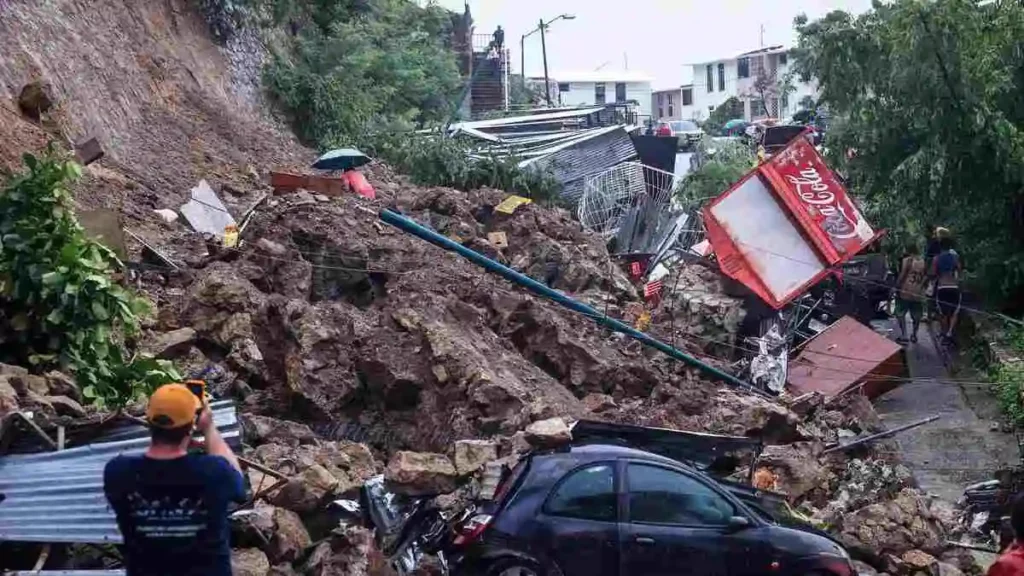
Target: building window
<point>599,94</point>
<point>721,77</point>
<point>660,96</point>
<point>711,79</point>
<point>563,87</point>
<point>743,68</point>
<point>670,99</point>
<point>757,109</point>
<point>783,59</point>
<point>687,96</point>
<point>620,91</point>
<point>671,112</point>
<point>661,112</point>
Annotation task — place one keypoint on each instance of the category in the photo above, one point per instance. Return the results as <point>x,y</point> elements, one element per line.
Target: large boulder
<point>346,553</point>
<point>548,433</point>
<point>169,344</point>
<point>290,537</point>
<point>222,305</point>
<point>471,455</point>
<point>260,429</point>
<point>249,562</point>
<point>306,492</point>
<point>253,527</point>
<point>796,468</point>
<point>420,474</point>
<point>8,397</point>
<point>892,527</point>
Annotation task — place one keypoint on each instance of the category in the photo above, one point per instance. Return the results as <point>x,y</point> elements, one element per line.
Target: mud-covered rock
<point>420,474</point>
<point>290,537</point>
<point>346,553</point>
<point>249,562</point>
<point>915,561</point>
<point>796,468</point>
<point>308,491</point>
<point>548,433</point>
<point>65,406</point>
<point>170,344</point>
<point>60,384</point>
<point>893,527</point>
<point>8,397</point>
<point>471,455</point>
<point>260,429</point>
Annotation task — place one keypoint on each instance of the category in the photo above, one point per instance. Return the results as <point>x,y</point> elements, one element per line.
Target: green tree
<point>721,165</point>
<point>364,70</point>
<point>59,305</point>
<point>926,121</point>
<point>728,110</point>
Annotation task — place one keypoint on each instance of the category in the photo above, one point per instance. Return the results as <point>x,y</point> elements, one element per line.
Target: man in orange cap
<point>172,506</point>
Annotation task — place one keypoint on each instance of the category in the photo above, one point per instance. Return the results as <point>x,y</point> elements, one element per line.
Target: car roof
<point>592,452</point>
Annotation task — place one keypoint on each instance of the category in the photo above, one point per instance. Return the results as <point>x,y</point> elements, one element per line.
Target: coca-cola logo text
<point>816,194</point>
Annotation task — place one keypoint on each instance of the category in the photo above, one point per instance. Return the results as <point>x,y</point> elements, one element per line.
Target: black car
<point>608,510</point>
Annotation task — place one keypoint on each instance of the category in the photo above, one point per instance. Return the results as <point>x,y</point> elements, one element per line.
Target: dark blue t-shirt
<point>173,513</point>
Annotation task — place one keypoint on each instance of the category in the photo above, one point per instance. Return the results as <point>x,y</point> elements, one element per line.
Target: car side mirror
<point>737,523</point>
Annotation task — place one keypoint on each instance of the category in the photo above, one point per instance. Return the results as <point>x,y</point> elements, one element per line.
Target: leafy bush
<point>720,165</point>
<point>58,303</point>
<point>728,110</point>
<point>439,161</point>
<point>343,79</point>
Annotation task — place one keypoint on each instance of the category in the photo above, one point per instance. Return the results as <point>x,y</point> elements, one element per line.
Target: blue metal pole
<point>409,225</point>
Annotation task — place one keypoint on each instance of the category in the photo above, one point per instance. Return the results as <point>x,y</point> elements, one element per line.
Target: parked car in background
<point>687,132</point>
<point>612,510</point>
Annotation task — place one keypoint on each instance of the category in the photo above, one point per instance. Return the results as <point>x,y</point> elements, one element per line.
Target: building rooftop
<point>601,76</point>
<point>766,50</point>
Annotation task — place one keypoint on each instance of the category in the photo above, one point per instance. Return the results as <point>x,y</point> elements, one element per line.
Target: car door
<point>675,523</point>
<point>578,523</point>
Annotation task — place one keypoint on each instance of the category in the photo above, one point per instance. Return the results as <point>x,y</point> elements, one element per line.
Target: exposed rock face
<point>420,473</point>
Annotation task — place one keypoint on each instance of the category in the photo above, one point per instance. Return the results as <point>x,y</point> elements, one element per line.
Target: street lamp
<point>544,51</point>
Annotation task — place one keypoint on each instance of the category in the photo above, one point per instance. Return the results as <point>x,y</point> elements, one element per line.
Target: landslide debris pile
<point>355,349</point>
<point>390,350</point>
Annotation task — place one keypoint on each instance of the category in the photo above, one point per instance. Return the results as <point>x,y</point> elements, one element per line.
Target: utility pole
<point>544,54</point>
<point>522,60</point>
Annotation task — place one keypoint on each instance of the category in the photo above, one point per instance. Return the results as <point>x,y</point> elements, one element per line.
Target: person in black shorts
<point>946,270</point>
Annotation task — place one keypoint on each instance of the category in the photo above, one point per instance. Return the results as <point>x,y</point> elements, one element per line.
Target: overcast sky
<point>656,37</point>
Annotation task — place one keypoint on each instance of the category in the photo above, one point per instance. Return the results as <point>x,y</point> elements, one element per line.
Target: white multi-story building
<point>593,88</point>
<point>673,103</point>
<point>755,79</point>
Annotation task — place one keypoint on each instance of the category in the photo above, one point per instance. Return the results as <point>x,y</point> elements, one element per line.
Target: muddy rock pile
<point>356,350</point>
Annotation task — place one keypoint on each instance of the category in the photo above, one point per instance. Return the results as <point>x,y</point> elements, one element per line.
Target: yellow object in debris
<point>644,321</point>
<point>509,205</point>
<point>230,236</point>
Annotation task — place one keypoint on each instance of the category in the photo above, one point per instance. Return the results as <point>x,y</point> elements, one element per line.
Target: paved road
<point>960,448</point>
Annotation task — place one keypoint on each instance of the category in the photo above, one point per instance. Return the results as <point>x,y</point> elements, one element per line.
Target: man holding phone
<point>172,506</point>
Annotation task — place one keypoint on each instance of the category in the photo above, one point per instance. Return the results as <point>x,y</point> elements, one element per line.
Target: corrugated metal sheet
<point>572,163</point>
<point>58,496</point>
<point>66,573</point>
<point>844,355</point>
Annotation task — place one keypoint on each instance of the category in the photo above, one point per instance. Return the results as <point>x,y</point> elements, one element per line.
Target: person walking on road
<point>172,506</point>
<point>1011,562</point>
<point>910,292</point>
<point>946,270</point>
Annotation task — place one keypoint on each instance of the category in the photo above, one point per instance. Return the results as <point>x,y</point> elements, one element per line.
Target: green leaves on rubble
<point>58,305</point>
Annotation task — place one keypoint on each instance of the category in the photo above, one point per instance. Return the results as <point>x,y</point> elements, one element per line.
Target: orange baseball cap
<point>172,406</point>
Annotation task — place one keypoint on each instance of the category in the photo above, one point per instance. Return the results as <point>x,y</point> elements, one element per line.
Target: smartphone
<point>198,387</point>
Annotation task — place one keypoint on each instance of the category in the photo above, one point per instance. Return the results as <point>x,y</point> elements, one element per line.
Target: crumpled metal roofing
<point>58,496</point>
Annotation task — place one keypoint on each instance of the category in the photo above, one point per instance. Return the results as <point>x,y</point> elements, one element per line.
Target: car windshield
<point>684,126</point>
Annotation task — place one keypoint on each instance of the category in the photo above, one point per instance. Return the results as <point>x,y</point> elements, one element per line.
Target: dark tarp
<point>656,151</point>
<point>700,450</point>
